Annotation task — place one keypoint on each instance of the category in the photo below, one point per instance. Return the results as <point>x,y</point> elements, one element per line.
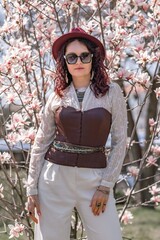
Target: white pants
<point>61,189</point>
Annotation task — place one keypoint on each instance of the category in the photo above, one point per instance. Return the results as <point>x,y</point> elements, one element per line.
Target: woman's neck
<point>81,83</point>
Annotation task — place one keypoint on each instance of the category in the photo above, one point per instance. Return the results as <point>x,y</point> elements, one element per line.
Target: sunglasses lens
<point>71,58</point>
<point>85,57</point>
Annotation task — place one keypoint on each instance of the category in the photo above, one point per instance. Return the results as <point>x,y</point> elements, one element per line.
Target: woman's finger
<point>104,207</point>
<point>32,216</point>
<point>37,205</point>
<point>33,202</point>
<point>97,205</point>
<point>98,209</point>
<point>30,206</point>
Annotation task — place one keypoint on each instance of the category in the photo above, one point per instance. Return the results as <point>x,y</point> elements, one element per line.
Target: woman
<point>68,166</point>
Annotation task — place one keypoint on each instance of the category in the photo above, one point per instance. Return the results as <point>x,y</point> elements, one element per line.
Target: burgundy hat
<point>75,33</point>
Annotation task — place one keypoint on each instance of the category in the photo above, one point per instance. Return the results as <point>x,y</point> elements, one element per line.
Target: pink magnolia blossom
<point>113,14</point>
<point>28,136</point>
<point>17,74</point>
<point>139,47</point>
<point>110,55</point>
<point>123,9</point>
<point>157,91</point>
<point>35,105</point>
<point>30,66</point>
<point>145,6</point>
<point>5,157</point>
<point>20,119</point>
<point>123,22</point>
<point>17,230</point>
<point>65,5</point>
<point>128,192</point>
<point>106,22</point>
<point>124,74</point>
<point>151,161</point>
<point>17,121</point>
<point>141,23</point>
<point>152,122</point>
<point>12,138</point>
<point>19,51</point>
<point>10,97</point>
<point>78,1</point>
<point>6,68</point>
<point>127,217</point>
<point>20,8</point>
<point>144,57</point>
<point>138,2</point>
<point>33,3</point>
<point>156,199</point>
<point>7,27</point>
<point>156,56</point>
<point>24,54</point>
<point>154,190</point>
<point>11,126</point>
<point>110,36</point>
<point>91,28</point>
<point>156,150</point>
<point>133,171</point>
<point>155,31</point>
<point>27,99</point>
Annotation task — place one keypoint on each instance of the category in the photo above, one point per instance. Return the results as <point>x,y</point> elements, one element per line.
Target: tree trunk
<point>113,4</point>
<point>148,173</point>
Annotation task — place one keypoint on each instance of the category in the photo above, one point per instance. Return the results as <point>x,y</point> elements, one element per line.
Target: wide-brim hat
<point>75,33</point>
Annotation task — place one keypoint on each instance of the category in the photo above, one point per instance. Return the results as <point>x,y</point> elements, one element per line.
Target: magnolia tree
<point>129,30</point>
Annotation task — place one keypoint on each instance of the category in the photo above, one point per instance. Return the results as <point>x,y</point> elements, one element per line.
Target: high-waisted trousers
<point>61,188</point>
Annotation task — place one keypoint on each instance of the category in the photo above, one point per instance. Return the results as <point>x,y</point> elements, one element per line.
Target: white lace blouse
<point>113,102</point>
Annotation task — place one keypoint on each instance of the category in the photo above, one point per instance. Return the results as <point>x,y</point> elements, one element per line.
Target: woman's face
<point>78,69</point>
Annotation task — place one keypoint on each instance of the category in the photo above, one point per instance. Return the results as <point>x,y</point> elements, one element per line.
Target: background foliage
<point>129,30</point>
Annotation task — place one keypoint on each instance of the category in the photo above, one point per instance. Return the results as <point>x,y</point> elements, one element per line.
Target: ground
<point>145,226</point>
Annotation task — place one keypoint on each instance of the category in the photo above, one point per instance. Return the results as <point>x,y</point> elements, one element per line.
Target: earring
<point>66,78</point>
<point>92,75</point>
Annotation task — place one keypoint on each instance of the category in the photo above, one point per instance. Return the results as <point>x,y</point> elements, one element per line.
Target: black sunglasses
<point>72,58</point>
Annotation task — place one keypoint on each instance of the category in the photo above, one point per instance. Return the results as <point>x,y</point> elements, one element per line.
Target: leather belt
<point>72,148</point>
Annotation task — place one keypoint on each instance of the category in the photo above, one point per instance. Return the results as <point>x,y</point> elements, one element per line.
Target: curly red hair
<point>100,82</point>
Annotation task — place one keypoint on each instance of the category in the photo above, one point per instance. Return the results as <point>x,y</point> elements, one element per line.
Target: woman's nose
<point>79,60</point>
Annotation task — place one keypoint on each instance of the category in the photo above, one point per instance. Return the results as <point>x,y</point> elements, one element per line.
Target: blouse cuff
<point>107,184</point>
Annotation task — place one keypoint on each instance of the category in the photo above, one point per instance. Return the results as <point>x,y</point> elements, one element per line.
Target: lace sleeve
<point>118,136</point>
<point>44,138</point>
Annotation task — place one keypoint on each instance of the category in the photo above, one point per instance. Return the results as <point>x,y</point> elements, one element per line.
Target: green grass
<point>8,202</point>
<point>6,237</point>
<point>145,226</point>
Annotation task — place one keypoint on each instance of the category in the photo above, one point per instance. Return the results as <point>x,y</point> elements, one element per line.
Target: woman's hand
<point>99,200</point>
<point>32,203</point>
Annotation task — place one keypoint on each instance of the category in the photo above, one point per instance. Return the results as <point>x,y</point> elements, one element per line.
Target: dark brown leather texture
<point>88,128</point>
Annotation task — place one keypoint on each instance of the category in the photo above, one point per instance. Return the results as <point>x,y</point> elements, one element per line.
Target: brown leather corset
<point>88,128</point>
